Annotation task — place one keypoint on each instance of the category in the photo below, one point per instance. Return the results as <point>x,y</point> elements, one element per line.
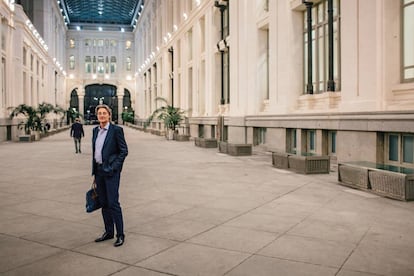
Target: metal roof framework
<point>101,14</point>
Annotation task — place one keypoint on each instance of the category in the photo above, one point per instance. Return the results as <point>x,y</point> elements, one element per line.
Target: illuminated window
<point>71,43</point>
<point>101,65</point>
<point>128,44</point>
<point>113,64</point>
<point>128,63</point>
<point>88,64</point>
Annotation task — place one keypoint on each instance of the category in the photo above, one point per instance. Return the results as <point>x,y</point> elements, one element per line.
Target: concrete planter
<point>239,149</point>
<point>388,181</point>
<point>182,138</point>
<point>306,164</point>
<point>353,176</point>
<point>309,164</point>
<point>222,147</point>
<point>205,142</point>
<point>27,138</point>
<point>391,184</point>
<point>280,160</point>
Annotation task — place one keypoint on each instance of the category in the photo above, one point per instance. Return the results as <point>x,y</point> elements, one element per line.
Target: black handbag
<point>92,199</point>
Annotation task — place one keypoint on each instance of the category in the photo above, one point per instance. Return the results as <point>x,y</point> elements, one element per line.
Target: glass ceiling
<point>104,13</point>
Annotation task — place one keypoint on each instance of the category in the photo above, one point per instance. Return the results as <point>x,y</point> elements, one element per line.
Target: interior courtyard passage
<point>192,211</point>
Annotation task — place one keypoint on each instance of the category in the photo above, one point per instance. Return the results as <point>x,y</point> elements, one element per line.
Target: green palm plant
<point>32,115</point>
<point>72,114</point>
<point>35,117</point>
<point>171,116</point>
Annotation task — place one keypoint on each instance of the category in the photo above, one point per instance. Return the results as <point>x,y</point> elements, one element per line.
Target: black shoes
<point>105,236</point>
<point>119,241</point>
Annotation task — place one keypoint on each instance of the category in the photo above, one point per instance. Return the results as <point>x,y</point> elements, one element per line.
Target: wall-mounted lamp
<point>222,4</point>
<point>222,46</point>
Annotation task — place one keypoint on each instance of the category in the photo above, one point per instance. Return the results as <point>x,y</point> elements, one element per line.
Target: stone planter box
<point>239,149</point>
<point>205,142</point>
<point>222,147</point>
<point>27,138</point>
<point>391,184</point>
<point>182,138</point>
<point>280,160</point>
<point>385,180</point>
<point>309,164</point>
<point>353,176</point>
<point>158,132</point>
<point>306,164</point>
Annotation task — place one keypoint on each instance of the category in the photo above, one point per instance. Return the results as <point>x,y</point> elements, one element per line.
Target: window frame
<point>403,66</point>
<point>320,47</point>
<point>400,148</point>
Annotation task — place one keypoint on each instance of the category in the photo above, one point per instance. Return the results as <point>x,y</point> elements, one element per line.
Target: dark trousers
<point>77,144</point>
<point>108,191</point>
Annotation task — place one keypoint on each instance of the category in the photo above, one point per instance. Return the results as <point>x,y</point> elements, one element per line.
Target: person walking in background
<point>76,131</point>
<point>109,152</point>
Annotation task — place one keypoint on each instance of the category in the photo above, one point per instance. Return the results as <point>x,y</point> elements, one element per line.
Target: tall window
<point>101,65</point>
<point>408,40</point>
<point>4,28</point>
<point>128,44</point>
<point>320,46</point>
<point>71,43</point>
<point>291,142</point>
<point>311,141</point>
<point>128,63</point>
<point>113,64</point>
<point>400,149</point>
<point>263,63</point>
<point>332,142</point>
<point>3,82</point>
<point>72,62</point>
<point>88,64</point>
<point>24,56</point>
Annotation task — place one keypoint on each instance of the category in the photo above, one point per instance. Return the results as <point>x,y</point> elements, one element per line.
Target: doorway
<point>100,94</point>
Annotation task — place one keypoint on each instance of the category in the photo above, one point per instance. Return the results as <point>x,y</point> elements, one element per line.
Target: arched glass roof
<point>104,13</point>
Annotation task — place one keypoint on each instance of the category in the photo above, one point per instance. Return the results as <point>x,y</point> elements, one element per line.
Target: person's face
<point>103,116</point>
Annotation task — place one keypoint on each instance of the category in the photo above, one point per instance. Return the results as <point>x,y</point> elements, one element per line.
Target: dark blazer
<point>76,130</point>
<point>114,149</point>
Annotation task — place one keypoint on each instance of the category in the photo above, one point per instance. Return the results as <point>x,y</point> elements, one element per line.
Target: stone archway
<point>100,94</point>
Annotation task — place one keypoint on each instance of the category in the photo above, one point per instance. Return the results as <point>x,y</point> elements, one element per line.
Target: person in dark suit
<point>109,152</point>
<point>76,131</point>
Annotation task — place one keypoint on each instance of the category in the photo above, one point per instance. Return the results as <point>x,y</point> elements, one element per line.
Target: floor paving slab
<point>192,211</point>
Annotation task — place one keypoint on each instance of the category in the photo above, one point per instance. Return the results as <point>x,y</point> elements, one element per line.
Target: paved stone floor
<point>192,211</point>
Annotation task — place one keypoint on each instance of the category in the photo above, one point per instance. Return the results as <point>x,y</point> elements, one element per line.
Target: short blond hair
<point>103,106</point>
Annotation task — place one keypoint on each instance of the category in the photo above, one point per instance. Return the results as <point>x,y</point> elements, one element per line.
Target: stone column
<point>81,100</point>
<point>120,94</point>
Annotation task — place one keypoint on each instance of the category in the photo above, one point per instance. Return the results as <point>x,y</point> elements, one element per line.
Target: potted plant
<point>35,119</point>
<point>128,116</point>
<point>32,123</point>
<point>72,114</point>
<point>171,116</point>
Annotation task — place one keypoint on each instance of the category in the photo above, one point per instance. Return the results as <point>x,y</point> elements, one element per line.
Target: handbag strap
<point>93,186</point>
